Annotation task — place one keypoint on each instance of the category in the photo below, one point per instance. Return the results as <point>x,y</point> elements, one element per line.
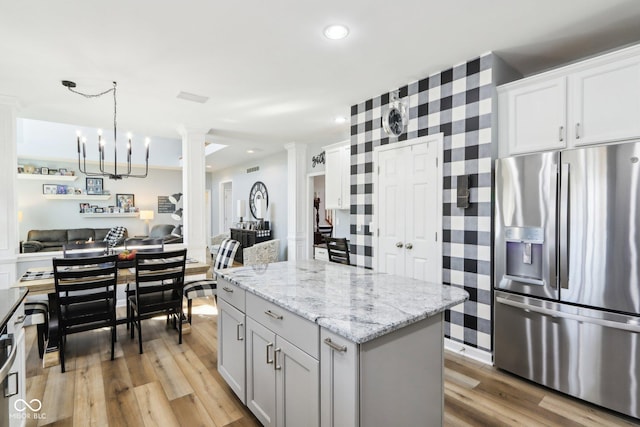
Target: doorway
<point>408,208</point>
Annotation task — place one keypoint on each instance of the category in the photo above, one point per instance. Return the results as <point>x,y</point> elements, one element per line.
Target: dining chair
<point>209,287</point>
<point>139,244</point>
<point>85,294</point>
<point>338,250</point>
<point>84,249</point>
<point>159,287</point>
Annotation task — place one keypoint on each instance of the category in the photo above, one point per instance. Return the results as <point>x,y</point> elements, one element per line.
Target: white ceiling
<point>270,75</point>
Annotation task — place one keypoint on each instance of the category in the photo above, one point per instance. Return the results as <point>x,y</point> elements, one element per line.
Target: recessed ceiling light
<point>336,32</point>
<point>250,151</point>
<point>340,119</point>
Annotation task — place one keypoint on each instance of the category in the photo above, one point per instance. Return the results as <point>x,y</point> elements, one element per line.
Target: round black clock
<point>394,120</point>
<point>258,191</point>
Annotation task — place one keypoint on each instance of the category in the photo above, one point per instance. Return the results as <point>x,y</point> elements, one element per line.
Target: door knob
<point>399,245</point>
<point>408,246</point>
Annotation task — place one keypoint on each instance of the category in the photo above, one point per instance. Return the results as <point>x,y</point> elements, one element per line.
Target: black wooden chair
<point>84,249</point>
<point>140,244</point>
<point>338,250</point>
<point>159,286</point>
<point>86,296</point>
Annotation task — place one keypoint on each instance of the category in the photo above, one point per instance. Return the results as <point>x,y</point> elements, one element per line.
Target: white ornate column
<point>193,193</point>
<point>296,187</point>
<point>9,238</point>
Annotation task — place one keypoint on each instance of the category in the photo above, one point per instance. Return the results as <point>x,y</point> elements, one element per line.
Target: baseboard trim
<point>468,351</point>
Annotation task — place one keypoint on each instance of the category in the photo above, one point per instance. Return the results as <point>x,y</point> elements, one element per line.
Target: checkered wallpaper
<point>458,103</point>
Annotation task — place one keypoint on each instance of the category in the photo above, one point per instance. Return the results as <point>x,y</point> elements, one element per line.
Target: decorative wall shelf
<point>107,214</point>
<point>40,177</point>
<point>77,196</point>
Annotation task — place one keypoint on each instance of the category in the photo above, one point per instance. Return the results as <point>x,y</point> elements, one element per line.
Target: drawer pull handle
<point>336,347</point>
<point>227,289</point>
<point>269,361</point>
<point>275,358</point>
<point>238,326</point>
<point>274,315</point>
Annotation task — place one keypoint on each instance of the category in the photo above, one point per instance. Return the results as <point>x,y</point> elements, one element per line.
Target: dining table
<point>40,281</point>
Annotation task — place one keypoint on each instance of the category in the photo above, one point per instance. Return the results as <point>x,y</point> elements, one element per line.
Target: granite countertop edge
<point>331,323</point>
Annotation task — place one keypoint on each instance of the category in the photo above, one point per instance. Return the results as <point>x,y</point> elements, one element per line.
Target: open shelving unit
<point>77,196</point>
<point>40,177</point>
<point>108,214</point>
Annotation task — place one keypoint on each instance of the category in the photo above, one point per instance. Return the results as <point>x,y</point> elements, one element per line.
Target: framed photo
<point>62,189</point>
<point>125,201</point>
<point>94,185</point>
<point>99,210</point>
<point>84,207</point>
<point>44,171</point>
<point>49,189</point>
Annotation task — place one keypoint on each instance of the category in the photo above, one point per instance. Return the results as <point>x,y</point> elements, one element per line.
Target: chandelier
<point>101,143</point>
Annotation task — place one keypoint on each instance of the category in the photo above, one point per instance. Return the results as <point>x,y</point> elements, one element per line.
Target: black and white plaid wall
<point>458,103</point>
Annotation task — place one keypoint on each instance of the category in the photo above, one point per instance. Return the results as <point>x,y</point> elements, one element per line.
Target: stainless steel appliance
<point>567,273</point>
<point>8,351</point>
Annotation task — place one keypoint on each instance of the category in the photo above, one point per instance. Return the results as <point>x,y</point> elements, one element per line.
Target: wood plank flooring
<point>179,385</point>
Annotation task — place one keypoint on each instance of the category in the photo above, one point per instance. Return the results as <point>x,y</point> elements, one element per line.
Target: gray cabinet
<point>231,337</point>
<point>338,381</point>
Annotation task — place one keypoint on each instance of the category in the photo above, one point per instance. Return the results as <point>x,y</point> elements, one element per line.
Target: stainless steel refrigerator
<point>567,272</point>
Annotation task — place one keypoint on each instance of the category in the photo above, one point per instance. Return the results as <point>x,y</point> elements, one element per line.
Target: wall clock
<point>258,191</point>
<point>394,120</point>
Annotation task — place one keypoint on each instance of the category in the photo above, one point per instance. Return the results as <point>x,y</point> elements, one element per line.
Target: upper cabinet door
<point>605,103</point>
<point>533,117</point>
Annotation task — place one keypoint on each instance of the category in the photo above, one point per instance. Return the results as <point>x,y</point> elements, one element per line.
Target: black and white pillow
<point>115,236</point>
<point>226,253</point>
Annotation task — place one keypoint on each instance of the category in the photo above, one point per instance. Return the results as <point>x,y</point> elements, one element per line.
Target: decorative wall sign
<point>318,159</point>
<point>165,206</point>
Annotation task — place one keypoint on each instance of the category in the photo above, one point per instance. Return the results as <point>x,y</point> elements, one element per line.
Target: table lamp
<point>146,216</point>
<point>242,209</point>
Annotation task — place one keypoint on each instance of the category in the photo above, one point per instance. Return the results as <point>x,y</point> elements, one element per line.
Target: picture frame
<point>49,189</point>
<point>44,171</point>
<point>94,185</point>
<point>125,201</point>
<point>85,207</point>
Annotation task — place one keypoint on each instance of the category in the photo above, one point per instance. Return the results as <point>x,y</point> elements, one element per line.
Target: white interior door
<point>227,208</point>
<point>421,207</point>
<point>408,209</point>
<point>391,210</point>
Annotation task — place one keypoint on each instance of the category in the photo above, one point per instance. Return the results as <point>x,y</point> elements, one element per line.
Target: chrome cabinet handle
<point>399,245</point>
<point>269,361</point>
<point>561,133</point>
<point>275,358</point>
<point>238,337</point>
<point>274,315</point>
<point>408,246</point>
<point>577,130</point>
<point>336,347</point>
<point>227,289</point>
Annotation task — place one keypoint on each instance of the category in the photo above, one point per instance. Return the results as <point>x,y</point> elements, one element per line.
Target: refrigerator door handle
<point>563,223</point>
<point>631,327</point>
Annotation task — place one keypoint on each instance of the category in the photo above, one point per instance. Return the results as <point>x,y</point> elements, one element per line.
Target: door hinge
<point>436,162</point>
<point>436,236</point>
<point>378,170</point>
<point>378,232</point>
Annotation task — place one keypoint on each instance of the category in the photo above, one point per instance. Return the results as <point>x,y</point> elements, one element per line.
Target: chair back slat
<point>160,271</point>
<point>144,244</point>
<point>338,250</point>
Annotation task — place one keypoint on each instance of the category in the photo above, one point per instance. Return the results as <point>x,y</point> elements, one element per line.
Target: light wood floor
<point>173,384</point>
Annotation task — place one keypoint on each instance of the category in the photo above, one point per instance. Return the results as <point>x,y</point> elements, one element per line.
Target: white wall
<point>40,213</point>
<point>273,173</point>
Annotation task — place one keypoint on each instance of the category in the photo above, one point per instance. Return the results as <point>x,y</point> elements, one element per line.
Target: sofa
<point>166,232</point>
<point>52,240</point>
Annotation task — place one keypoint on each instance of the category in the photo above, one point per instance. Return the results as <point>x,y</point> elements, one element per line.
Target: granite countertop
<point>355,303</point>
<point>10,299</point>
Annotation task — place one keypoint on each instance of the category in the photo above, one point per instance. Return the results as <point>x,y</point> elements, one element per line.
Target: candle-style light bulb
<point>84,147</point>
<point>78,137</point>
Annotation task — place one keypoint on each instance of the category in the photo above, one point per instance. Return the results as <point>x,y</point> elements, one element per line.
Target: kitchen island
<point>314,343</point>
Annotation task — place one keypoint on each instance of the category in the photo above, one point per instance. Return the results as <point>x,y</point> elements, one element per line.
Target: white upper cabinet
<point>590,102</point>
<point>534,116</point>
<point>337,176</point>
<point>605,102</point>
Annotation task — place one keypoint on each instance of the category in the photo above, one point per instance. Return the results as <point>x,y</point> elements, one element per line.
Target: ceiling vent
<point>193,97</point>
<point>253,169</point>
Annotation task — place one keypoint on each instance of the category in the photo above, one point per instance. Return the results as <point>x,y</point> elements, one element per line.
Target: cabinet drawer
<point>300,332</point>
<point>231,294</point>
<point>321,254</point>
